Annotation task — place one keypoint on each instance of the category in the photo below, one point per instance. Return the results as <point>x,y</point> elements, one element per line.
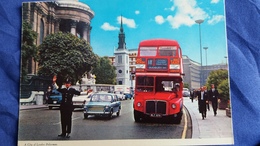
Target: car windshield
<point>101,98</point>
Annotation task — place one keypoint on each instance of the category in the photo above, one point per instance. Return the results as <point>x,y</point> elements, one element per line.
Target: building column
<point>85,31</point>
<point>73,25</point>
<point>89,30</point>
<point>57,25</point>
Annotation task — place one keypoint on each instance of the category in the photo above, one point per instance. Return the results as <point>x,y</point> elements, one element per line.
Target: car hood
<point>56,97</point>
<point>98,103</point>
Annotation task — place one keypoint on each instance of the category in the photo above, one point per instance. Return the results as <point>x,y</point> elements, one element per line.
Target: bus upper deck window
<point>167,51</point>
<point>147,51</point>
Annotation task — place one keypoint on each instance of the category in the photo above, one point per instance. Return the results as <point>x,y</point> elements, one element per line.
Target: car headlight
<point>139,104</point>
<point>173,106</point>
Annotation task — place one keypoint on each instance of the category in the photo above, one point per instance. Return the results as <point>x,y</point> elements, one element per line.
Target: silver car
<point>102,104</point>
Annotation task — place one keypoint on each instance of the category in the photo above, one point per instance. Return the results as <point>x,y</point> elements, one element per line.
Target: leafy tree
<point>28,48</point>
<point>216,77</point>
<point>105,72</point>
<point>223,88</point>
<point>66,56</point>
<point>186,85</point>
<point>220,79</point>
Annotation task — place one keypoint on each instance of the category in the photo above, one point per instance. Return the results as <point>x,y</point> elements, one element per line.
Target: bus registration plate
<point>156,115</point>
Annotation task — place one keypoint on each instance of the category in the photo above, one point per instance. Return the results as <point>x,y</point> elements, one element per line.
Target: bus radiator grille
<point>158,107</point>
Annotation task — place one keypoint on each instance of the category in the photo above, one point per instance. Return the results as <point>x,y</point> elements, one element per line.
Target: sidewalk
<point>219,126</point>
<point>32,106</point>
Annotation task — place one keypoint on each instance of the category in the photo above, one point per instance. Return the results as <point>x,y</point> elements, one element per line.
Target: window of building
<point>41,31</point>
<point>119,59</point>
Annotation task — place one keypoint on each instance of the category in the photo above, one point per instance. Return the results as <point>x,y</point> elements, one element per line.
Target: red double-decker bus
<point>159,74</point>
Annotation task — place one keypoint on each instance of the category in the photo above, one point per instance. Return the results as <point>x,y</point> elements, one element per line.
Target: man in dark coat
<point>214,96</point>
<point>202,100</point>
<point>192,94</point>
<point>66,107</point>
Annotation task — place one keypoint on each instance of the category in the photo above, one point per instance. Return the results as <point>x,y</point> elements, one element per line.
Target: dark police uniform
<point>66,109</point>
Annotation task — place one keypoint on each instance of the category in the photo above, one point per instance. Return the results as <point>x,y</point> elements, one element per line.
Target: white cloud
<point>215,19</point>
<point>137,12</point>
<point>159,19</point>
<point>107,27</point>
<point>128,22</point>
<point>186,12</point>
<point>214,1</point>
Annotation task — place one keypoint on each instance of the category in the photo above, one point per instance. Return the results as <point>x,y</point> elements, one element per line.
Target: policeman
<point>66,108</point>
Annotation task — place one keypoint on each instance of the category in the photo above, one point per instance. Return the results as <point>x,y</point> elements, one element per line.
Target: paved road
<point>44,124</point>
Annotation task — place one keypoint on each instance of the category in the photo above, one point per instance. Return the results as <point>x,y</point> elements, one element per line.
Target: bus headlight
<point>174,66</point>
<point>173,106</point>
<point>139,104</point>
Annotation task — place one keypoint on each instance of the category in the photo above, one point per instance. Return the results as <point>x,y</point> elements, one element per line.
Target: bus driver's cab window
<point>145,84</point>
<point>167,85</point>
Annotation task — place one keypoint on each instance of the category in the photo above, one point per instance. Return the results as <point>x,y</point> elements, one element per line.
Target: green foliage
<point>28,48</point>
<point>223,89</point>
<point>220,79</point>
<point>186,85</point>
<point>105,72</point>
<point>216,77</point>
<point>65,55</point>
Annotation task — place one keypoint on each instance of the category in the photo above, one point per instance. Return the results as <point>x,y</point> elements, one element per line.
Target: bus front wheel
<point>137,116</point>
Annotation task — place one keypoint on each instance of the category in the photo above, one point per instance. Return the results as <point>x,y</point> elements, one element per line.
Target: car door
<point>116,103</point>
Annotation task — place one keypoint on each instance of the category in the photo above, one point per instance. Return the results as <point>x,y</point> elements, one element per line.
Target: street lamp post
<point>206,48</point>
<point>199,22</point>
<point>226,61</point>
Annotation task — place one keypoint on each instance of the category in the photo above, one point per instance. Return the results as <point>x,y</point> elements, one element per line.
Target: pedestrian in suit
<point>202,100</point>
<point>207,103</point>
<point>192,94</point>
<point>214,97</point>
<point>66,108</point>
<point>47,95</point>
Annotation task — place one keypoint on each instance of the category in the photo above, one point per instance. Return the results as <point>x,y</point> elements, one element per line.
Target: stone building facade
<point>50,17</point>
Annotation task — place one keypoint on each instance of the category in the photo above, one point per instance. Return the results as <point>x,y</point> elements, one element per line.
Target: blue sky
<point>170,19</point>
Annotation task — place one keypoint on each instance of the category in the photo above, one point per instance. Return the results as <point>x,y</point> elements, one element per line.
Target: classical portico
<point>60,15</point>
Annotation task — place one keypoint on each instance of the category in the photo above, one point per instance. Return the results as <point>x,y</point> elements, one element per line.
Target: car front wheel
<point>110,114</point>
<point>118,112</point>
<point>85,116</point>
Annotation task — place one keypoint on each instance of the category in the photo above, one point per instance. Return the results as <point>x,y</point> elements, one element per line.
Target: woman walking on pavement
<point>202,100</point>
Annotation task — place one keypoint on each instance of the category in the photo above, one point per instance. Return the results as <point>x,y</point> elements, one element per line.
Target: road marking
<point>71,119</point>
<point>185,125</point>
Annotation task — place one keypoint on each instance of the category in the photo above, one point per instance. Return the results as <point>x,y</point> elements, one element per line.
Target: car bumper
<point>78,104</point>
<point>96,113</point>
